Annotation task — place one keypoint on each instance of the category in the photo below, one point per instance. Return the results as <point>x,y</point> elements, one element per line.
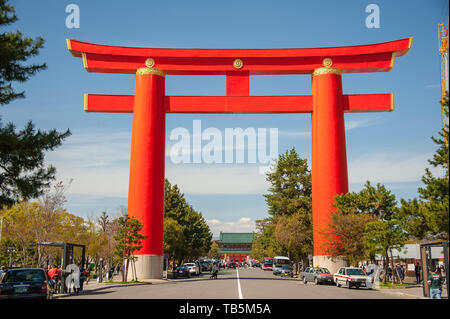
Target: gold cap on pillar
<point>327,69</point>
<point>153,71</point>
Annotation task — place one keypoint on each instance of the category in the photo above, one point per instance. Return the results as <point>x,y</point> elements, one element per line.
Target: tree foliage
<point>365,223</point>
<point>186,234</point>
<point>289,229</point>
<point>428,216</point>
<point>23,174</point>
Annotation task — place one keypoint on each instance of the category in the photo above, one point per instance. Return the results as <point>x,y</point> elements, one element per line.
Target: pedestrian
<point>110,273</point>
<point>417,270</point>
<point>73,278</point>
<point>435,284</point>
<point>2,271</point>
<point>88,275</point>
<point>402,273</point>
<point>82,276</point>
<point>389,273</point>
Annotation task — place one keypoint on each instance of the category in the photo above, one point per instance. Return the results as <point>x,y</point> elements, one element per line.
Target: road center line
<point>239,285</point>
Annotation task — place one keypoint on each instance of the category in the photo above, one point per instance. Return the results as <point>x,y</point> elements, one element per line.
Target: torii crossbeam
<point>149,105</point>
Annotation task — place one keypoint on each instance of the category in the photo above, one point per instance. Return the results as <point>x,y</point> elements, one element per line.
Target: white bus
<point>278,262</point>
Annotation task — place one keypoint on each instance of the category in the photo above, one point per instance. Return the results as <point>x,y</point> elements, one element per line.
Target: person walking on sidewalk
<point>435,283</point>
<point>417,270</point>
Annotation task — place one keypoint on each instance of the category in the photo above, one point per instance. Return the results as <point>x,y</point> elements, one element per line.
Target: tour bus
<point>268,262</point>
<point>278,262</point>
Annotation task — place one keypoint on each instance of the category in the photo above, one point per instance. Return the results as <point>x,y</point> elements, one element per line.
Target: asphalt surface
<point>233,284</point>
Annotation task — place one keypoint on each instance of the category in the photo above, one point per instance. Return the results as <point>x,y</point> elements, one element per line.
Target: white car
<point>193,268</point>
<point>352,277</point>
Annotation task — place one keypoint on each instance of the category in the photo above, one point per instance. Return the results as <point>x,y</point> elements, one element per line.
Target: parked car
<point>286,271</point>
<point>193,268</point>
<point>199,266</point>
<point>318,275</point>
<point>182,271</point>
<point>204,266</point>
<point>25,283</point>
<point>352,277</point>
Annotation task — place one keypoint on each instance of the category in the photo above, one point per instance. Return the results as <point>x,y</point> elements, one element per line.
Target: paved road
<point>235,284</point>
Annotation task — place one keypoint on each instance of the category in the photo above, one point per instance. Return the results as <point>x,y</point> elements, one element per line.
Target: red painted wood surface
<point>329,159</point>
<point>351,59</point>
<point>240,104</point>
<point>146,185</point>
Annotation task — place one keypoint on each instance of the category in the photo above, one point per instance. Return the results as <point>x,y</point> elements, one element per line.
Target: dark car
<point>25,283</point>
<point>317,275</point>
<point>204,266</point>
<point>182,271</point>
<point>286,271</point>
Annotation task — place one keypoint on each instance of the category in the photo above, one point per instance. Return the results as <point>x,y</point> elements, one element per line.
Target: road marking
<point>239,285</point>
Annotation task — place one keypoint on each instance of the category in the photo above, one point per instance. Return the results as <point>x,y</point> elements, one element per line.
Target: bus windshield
<point>279,261</point>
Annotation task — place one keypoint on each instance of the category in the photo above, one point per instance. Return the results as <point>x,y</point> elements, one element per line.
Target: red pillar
<point>329,159</point>
<point>146,187</point>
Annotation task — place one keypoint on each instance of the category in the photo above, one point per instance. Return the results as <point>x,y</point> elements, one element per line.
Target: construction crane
<point>443,52</point>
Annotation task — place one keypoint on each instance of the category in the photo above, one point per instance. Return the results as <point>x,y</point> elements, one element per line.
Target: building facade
<point>235,247</point>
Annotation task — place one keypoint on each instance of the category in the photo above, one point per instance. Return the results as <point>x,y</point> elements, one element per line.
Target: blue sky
<point>390,148</point>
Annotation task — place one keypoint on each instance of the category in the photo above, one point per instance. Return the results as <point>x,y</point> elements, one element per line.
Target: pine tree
<point>290,206</point>
<point>23,174</point>
<point>428,216</point>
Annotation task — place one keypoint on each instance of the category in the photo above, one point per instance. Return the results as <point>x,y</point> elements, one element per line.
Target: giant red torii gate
<point>149,105</point>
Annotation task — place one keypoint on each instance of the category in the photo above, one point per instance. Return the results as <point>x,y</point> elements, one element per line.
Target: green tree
<point>291,188</point>
<point>428,216</point>
<point>23,174</point>
<point>290,206</point>
<point>264,241</point>
<point>195,236</point>
<point>362,222</point>
<point>382,236</point>
<point>214,251</point>
<point>129,242</point>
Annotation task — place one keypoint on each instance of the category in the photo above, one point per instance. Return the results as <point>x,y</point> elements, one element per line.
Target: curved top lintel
<point>360,58</point>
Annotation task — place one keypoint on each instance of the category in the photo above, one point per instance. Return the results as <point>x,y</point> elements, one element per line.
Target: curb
<point>106,286</point>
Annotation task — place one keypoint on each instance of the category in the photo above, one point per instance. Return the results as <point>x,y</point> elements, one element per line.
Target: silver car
<point>318,275</point>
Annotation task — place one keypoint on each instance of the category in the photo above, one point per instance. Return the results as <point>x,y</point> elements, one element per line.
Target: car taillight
<point>44,287</point>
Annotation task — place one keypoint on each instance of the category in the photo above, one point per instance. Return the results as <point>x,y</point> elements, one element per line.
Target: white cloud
<point>389,167</point>
<point>350,124</point>
<point>97,162</point>
<point>432,86</point>
<point>217,179</point>
<point>243,225</point>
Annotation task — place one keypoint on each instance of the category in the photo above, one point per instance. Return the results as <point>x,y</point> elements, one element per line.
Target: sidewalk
<point>93,285</point>
<point>410,292</point>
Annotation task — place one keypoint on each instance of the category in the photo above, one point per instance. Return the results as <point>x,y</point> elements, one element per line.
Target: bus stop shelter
<point>67,257</point>
<point>427,260</point>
